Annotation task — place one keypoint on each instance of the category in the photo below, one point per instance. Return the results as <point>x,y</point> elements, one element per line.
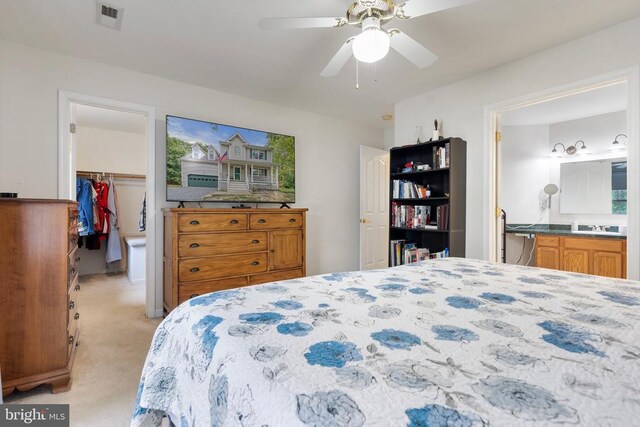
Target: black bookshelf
<point>447,185</point>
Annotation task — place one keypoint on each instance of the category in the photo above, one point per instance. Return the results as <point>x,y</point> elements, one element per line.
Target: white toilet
<point>136,259</point>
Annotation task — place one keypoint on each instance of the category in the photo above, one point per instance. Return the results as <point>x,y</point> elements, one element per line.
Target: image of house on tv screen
<point>218,163</point>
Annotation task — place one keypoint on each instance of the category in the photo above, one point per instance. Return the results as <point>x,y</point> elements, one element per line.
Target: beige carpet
<point>114,339</point>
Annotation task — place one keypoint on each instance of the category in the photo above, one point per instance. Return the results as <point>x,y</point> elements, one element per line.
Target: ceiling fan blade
<point>419,55</point>
<point>339,59</point>
<point>413,8</point>
<point>298,23</point>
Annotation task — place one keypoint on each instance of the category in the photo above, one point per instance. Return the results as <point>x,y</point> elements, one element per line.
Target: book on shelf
<point>441,254</point>
<point>442,217</point>
<point>407,216</point>
<point>408,190</point>
<point>403,252</point>
<point>441,156</point>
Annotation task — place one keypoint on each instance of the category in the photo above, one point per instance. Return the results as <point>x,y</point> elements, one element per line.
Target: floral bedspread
<point>450,342</point>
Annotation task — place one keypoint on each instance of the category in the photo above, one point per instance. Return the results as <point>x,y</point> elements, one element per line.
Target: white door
<point>497,142</point>
<point>374,208</point>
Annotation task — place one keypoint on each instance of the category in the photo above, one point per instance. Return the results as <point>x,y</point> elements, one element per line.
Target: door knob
<point>364,220</point>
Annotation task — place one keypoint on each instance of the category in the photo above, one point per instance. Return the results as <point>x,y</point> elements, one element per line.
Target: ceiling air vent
<point>109,15</point>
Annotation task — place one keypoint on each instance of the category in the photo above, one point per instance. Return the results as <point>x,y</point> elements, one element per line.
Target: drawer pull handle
<point>77,288</point>
<point>194,222</point>
<point>76,316</point>
<point>194,270</point>
<point>255,263</point>
<point>233,221</point>
<point>71,339</point>
<point>194,295</point>
<point>262,221</point>
<point>292,220</point>
<point>72,305</point>
<point>255,242</point>
<point>194,245</point>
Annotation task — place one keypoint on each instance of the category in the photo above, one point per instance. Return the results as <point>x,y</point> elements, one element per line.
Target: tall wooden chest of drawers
<point>207,250</point>
<point>38,288</point>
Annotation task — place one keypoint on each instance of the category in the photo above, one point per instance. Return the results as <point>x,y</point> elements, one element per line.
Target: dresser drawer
<point>273,220</point>
<point>73,265</point>
<point>72,335</point>
<point>187,291</point>
<point>275,276</point>
<point>73,217</point>
<point>190,270</point>
<point>73,238</point>
<point>73,284</point>
<point>72,305</point>
<point>193,245</point>
<point>194,222</point>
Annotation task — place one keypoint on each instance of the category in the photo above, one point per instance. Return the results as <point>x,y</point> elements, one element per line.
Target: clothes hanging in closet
<point>94,214</point>
<point>114,250</point>
<point>142,223</point>
<point>84,196</point>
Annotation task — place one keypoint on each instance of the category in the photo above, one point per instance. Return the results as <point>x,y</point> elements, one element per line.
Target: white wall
<point>525,172</point>
<point>29,84</point>
<point>111,150</point>
<point>597,132</point>
<point>461,105</point>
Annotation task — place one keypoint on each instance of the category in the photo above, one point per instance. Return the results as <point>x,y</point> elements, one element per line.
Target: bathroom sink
<point>598,233</point>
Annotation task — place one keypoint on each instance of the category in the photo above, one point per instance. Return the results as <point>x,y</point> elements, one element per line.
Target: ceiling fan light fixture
<point>372,44</point>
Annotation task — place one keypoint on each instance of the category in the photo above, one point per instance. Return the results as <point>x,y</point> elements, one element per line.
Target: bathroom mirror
<point>594,187</point>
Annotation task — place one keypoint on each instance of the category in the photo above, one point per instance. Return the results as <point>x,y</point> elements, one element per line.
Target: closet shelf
<point>87,174</point>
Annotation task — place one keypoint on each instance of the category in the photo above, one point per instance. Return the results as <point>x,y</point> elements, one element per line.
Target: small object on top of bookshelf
<point>428,207</point>
<point>436,131</point>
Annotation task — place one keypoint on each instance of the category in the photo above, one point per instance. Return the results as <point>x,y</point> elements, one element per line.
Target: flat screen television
<point>212,162</point>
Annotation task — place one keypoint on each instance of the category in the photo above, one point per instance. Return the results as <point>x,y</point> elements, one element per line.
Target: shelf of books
<point>428,201</point>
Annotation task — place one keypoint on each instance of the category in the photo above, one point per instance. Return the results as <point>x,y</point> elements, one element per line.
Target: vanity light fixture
<point>618,145</point>
<point>570,150</point>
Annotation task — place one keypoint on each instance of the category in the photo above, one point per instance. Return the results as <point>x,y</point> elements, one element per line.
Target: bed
<point>450,342</point>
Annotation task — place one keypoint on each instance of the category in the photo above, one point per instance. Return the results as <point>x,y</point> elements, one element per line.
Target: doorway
<point>133,182</point>
<point>510,165</point>
<point>374,208</point>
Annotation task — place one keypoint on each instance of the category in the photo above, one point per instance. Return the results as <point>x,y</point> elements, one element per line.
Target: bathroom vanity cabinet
<point>590,255</point>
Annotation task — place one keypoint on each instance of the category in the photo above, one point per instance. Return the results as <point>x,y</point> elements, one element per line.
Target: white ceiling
<point>104,118</point>
<point>595,102</point>
<point>219,45</point>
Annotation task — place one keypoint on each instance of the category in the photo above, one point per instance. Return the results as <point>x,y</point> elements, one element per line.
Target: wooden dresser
<point>38,288</point>
<point>207,250</point>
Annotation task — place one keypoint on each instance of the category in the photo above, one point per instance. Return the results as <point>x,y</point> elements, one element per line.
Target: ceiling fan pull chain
<point>357,74</point>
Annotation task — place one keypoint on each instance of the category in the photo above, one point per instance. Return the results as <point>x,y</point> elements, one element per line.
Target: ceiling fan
<point>373,42</point>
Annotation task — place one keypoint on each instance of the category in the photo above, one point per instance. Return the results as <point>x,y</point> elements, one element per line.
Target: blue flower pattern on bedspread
<point>332,354</point>
<point>395,339</point>
<point>297,329</point>
<point>463,302</point>
<point>288,305</point>
<point>267,318</point>
<point>570,338</point>
<point>449,342</point>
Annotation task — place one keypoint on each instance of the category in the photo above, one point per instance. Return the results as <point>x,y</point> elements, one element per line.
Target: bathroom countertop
<point>561,230</point>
